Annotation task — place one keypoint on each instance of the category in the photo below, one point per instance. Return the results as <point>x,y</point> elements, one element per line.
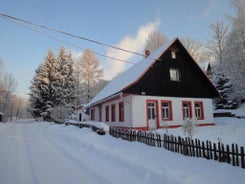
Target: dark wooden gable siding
<point>156,80</point>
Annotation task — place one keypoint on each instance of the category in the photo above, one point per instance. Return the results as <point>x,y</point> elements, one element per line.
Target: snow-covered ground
<point>34,152</point>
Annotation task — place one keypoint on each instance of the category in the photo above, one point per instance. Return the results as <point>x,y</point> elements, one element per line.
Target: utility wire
<point>73,35</point>
<point>67,43</point>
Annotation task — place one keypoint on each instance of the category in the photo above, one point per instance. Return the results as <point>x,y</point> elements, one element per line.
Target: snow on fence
<point>99,131</point>
<point>233,154</point>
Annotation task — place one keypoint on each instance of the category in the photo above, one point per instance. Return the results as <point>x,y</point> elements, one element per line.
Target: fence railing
<point>232,154</point>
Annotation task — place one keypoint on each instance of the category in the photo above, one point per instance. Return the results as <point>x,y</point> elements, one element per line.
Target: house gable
<point>151,76</point>
<point>156,80</point>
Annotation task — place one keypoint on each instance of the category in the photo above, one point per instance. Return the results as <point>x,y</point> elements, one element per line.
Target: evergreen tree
<point>64,86</point>
<point>43,88</point>
<point>234,59</point>
<point>225,88</point>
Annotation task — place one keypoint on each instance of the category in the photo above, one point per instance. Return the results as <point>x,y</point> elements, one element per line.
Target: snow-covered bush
<point>60,112</point>
<point>188,127</point>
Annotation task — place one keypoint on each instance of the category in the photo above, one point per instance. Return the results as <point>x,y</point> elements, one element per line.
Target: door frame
<point>157,113</point>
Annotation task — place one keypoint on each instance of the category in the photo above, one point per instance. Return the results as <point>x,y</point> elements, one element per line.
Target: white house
<point>81,114</point>
<point>161,90</point>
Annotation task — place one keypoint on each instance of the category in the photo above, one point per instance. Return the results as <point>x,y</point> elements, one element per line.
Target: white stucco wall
<point>85,117</point>
<point>140,110</point>
<point>127,112</point>
<point>135,109</point>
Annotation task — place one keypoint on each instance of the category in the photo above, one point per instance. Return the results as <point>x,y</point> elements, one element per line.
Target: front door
<point>152,114</point>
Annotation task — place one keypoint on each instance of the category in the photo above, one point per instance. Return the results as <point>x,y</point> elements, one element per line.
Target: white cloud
<point>130,43</point>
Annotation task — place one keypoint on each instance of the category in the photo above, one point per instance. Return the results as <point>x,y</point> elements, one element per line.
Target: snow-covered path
<point>30,157</point>
<point>38,153</point>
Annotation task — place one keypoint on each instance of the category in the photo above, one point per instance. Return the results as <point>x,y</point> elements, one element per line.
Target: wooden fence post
<point>203,150</point>
<point>215,152</point>
<point>236,155</point>
<point>227,155</point>
<point>242,158</point>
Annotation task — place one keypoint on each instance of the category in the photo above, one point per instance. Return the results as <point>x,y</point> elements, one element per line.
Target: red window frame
<point>107,113</point>
<point>121,111</point>
<point>92,112</point>
<point>169,111</point>
<point>184,109</point>
<point>113,112</point>
<point>199,115</point>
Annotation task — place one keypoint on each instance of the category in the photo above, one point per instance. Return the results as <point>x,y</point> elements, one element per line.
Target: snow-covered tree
<point>53,85</point>
<point>156,39</point>
<point>234,60</point>
<point>225,88</point>
<point>43,89</point>
<point>66,84</point>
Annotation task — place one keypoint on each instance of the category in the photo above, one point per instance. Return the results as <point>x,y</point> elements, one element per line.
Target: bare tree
<point>9,85</point>
<point>196,49</point>
<point>155,40</point>
<point>216,44</point>
<point>90,72</point>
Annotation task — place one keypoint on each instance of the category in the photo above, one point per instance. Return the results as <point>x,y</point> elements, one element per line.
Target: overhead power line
<point>71,34</point>
<point>67,43</point>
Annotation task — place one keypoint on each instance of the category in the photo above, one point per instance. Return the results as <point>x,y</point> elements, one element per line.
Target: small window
<point>121,111</point>
<point>199,110</point>
<point>173,54</point>
<point>107,112</point>
<point>174,74</point>
<point>166,110</point>
<point>113,113</point>
<point>186,108</point>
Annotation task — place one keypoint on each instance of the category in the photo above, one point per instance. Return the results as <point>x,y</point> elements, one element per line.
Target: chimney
<point>147,53</point>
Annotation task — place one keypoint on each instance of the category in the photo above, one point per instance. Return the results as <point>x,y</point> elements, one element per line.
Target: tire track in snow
<point>73,164</point>
<point>29,159</point>
<point>109,164</point>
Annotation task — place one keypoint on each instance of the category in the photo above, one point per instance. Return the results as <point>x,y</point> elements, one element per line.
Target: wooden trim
<point>190,108</point>
<point>113,112</point>
<point>170,110</point>
<point>92,114</point>
<point>205,124</point>
<point>121,114</point>
<point>157,113</point>
<point>202,109</point>
<point>169,126</point>
<point>107,113</point>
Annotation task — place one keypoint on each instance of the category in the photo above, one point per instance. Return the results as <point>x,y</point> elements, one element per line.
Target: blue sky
<point>124,24</point>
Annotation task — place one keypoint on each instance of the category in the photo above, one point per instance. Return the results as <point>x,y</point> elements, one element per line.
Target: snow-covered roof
<point>129,76</point>
<point>204,65</point>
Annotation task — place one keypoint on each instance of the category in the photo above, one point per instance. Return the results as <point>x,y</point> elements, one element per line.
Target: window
<point>166,110</point>
<point>151,110</point>
<point>173,54</point>
<point>174,74</point>
<point>121,111</point>
<point>113,112</point>
<point>199,110</point>
<point>92,114</point>
<point>186,108</point>
<point>107,112</point>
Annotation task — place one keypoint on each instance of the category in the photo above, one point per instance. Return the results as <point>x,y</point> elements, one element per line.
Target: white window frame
<point>174,74</point>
